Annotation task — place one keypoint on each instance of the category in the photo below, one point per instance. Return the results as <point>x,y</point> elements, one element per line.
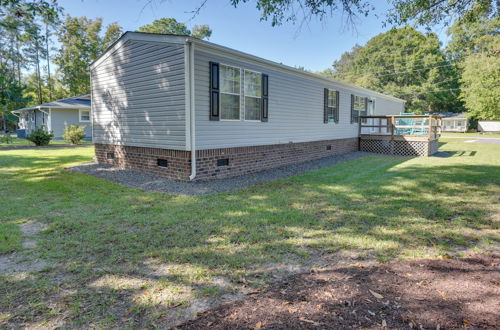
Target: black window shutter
<point>325,107</point>
<point>352,109</point>
<point>265,98</point>
<point>214,91</point>
<point>337,107</point>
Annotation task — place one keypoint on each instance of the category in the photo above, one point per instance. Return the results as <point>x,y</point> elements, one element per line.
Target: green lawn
<point>23,142</point>
<point>470,135</point>
<point>122,257</point>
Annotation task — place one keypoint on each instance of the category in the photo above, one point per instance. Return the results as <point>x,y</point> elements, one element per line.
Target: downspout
<point>192,118</point>
<point>91,107</point>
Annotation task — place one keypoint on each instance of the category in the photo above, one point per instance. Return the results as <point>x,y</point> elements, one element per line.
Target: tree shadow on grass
<point>107,234</point>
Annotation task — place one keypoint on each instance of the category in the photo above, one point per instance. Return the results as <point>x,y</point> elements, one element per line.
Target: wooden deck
<point>404,135</point>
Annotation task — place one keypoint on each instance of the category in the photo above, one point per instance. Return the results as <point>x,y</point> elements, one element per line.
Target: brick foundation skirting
<point>219,163</point>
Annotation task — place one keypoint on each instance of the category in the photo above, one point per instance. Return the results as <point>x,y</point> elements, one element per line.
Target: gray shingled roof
<point>76,102</point>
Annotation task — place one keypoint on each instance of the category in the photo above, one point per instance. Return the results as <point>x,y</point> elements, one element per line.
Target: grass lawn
<point>470,135</point>
<point>121,257</point>
<point>23,142</point>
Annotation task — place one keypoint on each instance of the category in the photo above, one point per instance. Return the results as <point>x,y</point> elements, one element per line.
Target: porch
<point>403,135</point>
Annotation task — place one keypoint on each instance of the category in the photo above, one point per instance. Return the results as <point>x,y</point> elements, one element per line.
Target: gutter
<point>191,110</point>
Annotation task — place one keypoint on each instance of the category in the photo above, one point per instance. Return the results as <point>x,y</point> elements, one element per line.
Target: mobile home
<point>189,109</point>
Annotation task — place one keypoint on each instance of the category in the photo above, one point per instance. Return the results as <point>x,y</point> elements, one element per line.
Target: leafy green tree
<point>420,12</point>
<point>201,32</point>
<point>11,94</point>
<point>81,43</point>
<point>113,32</point>
<point>481,85</point>
<point>341,67</point>
<point>405,63</point>
<point>34,51</point>
<point>26,9</point>
<point>52,88</point>
<point>473,37</point>
<point>171,26</point>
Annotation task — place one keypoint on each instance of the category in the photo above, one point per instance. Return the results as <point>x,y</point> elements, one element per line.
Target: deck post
<point>392,134</point>
<point>359,133</point>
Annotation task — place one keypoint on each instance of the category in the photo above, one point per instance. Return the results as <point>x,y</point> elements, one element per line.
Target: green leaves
<point>481,87</point>
<point>405,63</point>
<point>81,44</point>
<point>171,26</point>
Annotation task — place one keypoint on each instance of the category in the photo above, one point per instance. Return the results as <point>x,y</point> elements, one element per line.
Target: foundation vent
<point>162,162</point>
<point>223,162</point>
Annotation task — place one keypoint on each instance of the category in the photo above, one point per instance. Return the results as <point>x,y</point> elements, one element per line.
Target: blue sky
<point>313,45</point>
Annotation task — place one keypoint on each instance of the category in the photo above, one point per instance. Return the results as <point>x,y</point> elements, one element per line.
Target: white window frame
<point>221,92</point>
<point>244,109</point>
<point>80,116</point>
<point>241,95</point>
<point>359,111</point>
<point>334,107</point>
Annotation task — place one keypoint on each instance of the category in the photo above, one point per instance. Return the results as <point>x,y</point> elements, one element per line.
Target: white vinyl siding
<point>138,94</point>
<point>296,109</point>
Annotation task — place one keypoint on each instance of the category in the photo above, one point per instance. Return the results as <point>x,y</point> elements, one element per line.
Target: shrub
<point>7,139</point>
<point>74,133</point>
<point>40,137</point>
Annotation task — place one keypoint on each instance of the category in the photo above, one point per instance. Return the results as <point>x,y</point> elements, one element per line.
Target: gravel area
<point>152,182</point>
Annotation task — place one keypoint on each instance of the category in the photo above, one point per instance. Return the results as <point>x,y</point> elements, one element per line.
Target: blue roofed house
<point>54,116</point>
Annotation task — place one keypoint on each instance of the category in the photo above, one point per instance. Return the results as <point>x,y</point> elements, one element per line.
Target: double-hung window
<point>84,115</point>
<point>230,78</point>
<point>331,106</point>
<point>253,95</point>
<point>238,93</point>
<point>359,107</point>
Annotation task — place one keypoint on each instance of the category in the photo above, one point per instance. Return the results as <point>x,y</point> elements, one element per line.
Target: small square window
<point>84,115</point>
<point>110,155</point>
<point>328,147</point>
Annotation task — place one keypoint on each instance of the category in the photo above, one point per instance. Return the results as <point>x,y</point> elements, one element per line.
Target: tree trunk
<point>4,121</point>
<point>49,82</point>
<point>39,78</point>
<point>18,63</point>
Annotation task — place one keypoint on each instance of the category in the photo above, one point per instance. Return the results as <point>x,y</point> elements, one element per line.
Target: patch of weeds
<point>208,291</point>
<point>11,237</point>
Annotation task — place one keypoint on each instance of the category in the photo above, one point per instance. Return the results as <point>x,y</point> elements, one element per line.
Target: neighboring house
<point>190,109</point>
<point>453,122</point>
<point>488,125</point>
<point>54,116</point>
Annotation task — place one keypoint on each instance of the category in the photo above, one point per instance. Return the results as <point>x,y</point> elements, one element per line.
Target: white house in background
<point>488,126</point>
<point>54,116</point>
<point>454,122</point>
<point>190,109</point>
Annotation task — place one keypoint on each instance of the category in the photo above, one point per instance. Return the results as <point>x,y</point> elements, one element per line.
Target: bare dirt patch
<point>17,262</point>
<point>429,294</point>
